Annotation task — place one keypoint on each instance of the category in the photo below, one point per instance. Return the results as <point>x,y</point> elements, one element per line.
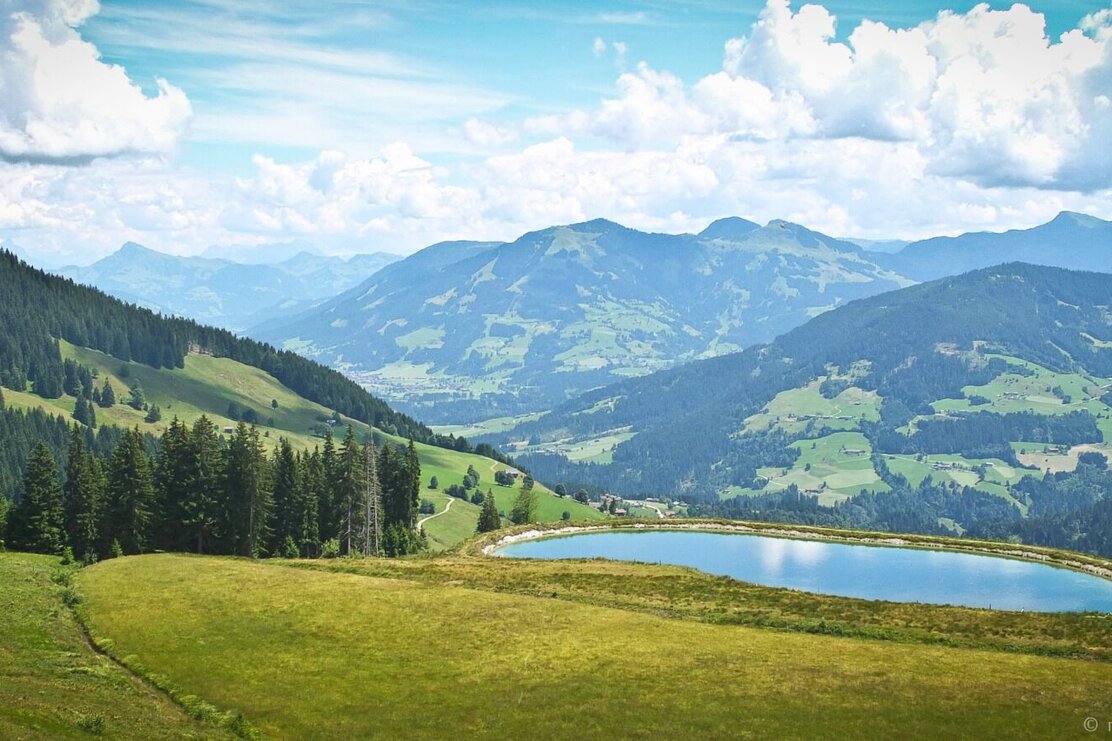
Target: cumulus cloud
<point>59,102</point>
<point>984,95</point>
<point>964,122</point>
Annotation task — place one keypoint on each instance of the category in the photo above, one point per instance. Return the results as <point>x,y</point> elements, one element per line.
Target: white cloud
<point>985,95</point>
<point>487,135</point>
<point>60,102</point>
<point>968,121</point>
<point>598,46</point>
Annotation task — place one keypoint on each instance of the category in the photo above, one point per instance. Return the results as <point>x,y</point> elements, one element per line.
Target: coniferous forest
<point>39,309</point>
<point>193,490</point>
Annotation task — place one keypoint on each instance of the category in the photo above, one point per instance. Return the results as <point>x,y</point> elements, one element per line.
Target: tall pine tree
<point>129,511</point>
<point>349,491</point>
<point>247,492</point>
<point>38,522</point>
<point>204,510</point>
<point>488,516</point>
<point>84,497</point>
<point>287,504</point>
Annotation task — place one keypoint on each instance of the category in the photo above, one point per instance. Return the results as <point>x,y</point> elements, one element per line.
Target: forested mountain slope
<point>119,367</point>
<point>977,380</point>
<point>466,330</point>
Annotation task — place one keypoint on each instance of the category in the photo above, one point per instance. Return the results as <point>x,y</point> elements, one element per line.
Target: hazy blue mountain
<point>887,246</point>
<point>1071,240</point>
<point>473,329</point>
<point>221,292</point>
<point>905,373</point>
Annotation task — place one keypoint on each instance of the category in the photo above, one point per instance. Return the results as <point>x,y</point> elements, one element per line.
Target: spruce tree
<point>412,483</point>
<point>174,475</point>
<point>38,521</point>
<point>327,512</point>
<point>287,505</point>
<point>129,511</point>
<point>83,495</point>
<point>349,491</point>
<point>488,516</point>
<point>309,485</point>
<point>81,412</point>
<point>372,501</point>
<point>107,395</point>
<point>203,509</point>
<point>247,492</point>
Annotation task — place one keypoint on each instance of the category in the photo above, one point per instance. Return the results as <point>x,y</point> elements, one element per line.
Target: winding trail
<point>423,520</point>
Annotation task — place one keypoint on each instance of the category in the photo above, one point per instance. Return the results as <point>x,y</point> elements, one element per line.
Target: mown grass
<point>306,653</point>
<point>53,685</point>
<point>688,594</point>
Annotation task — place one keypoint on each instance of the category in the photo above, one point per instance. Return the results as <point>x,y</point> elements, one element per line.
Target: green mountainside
<point>219,376</point>
<point>973,382</point>
<point>458,331</point>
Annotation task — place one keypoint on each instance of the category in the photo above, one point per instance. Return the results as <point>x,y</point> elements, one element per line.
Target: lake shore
<point>1065,559</point>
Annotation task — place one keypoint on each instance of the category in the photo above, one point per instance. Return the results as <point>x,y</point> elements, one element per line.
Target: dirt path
<point>423,520</point>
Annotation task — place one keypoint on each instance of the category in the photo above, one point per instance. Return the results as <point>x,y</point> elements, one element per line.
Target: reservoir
<point>891,573</point>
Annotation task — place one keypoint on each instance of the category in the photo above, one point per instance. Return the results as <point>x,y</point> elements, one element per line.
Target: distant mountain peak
<point>597,225</point>
<point>1075,217</point>
<point>731,227</point>
<point>134,248</point>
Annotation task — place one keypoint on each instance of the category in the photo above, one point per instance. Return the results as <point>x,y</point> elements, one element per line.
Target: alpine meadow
<point>570,370</point>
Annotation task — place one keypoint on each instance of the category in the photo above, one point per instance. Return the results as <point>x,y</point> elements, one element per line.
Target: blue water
<point>868,572</point>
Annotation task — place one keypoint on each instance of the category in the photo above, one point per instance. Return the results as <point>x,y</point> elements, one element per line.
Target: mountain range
<point>470,330</point>
<point>463,331</point>
<point>1070,240</point>
<point>218,291</point>
<point>473,329</point>
<point>983,369</point>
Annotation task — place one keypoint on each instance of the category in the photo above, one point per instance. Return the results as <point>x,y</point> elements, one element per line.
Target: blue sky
<point>355,126</point>
<point>505,60</point>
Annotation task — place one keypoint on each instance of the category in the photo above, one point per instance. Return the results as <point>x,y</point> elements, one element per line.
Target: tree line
<point>40,308</point>
<point>197,491</point>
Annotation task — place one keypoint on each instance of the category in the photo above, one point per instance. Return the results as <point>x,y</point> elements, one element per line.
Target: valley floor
<point>476,646</point>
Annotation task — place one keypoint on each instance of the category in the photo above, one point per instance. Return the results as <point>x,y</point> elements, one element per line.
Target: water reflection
<point>898,574</point>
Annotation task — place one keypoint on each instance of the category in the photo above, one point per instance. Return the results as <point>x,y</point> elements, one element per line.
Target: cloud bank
<point>965,121</point>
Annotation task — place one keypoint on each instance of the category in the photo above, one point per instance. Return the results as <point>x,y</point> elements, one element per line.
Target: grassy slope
<point>459,523</point>
<point>52,685</point>
<point>396,657</point>
<point>206,385</point>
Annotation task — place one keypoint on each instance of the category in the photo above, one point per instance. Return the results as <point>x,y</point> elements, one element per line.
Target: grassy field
<point>206,385</point>
<point>459,523</point>
<point>833,468</point>
<point>795,409</point>
<point>53,685</point>
<point>1011,392</point>
<point>340,655</point>
<point>487,426</point>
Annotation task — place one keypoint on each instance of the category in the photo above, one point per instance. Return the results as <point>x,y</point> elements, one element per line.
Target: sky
<point>221,126</point>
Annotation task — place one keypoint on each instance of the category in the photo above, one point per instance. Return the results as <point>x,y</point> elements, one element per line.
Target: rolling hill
<point>976,381</point>
<point>221,292</point>
<point>217,375</point>
<point>479,330</point>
